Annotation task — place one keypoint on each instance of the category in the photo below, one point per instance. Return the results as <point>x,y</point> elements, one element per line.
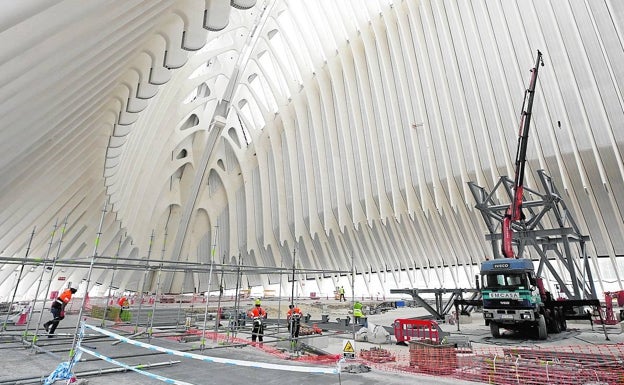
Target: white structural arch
<point>335,135</point>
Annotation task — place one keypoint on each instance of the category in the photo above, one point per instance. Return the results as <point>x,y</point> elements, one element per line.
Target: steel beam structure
<point>124,264</point>
<point>548,227</point>
<point>442,306</point>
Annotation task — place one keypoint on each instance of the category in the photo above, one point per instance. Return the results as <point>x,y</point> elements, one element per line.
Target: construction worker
<point>293,316</point>
<point>341,291</point>
<point>257,314</point>
<point>357,312</point>
<point>123,305</point>
<point>58,310</point>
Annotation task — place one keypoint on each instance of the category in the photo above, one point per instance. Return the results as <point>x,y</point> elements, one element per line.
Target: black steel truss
<point>548,227</point>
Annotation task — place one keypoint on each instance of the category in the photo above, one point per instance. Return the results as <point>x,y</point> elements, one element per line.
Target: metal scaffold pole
<point>19,278</point>
<point>292,287</point>
<point>44,269</point>
<point>221,289</point>
<point>279,298</point>
<point>162,258</point>
<point>84,298</point>
<point>212,255</point>
<point>108,295</point>
<point>180,295</point>
<point>291,326</point>
<point>150,330</point>
<point>353,291</point>
<point>149,253</point>
<point>235,324</point>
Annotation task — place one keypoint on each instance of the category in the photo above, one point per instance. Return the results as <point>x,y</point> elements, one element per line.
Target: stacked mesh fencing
<point>567,365</point>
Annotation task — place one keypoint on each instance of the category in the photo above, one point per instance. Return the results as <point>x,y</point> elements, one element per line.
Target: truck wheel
<point>564,323</point>
<point>542,331</point>
<point>494,329</point>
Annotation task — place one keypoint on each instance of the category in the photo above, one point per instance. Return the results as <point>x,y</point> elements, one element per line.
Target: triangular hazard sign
<point>348,347</point>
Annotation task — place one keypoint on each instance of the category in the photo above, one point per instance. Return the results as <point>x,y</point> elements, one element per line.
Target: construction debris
<point>375,334</point>
<point>360,368</point>
<point>377,355</point>
<point>309,330</point>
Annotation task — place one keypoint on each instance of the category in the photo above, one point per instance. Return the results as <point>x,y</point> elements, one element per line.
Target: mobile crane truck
<point>513,297</point>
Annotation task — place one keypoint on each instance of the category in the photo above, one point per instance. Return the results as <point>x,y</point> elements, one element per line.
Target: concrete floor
<point>22,364</point>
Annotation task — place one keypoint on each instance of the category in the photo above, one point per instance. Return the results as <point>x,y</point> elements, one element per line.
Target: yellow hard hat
<point>258,301</point>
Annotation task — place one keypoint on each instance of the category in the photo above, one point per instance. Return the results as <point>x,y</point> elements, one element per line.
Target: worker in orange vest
<point>293,316</point>
<point>123,305</point>
<point>257,314</point>
<point>58,310</point>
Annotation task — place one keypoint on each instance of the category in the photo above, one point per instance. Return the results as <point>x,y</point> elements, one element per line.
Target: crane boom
<point>514,211</point>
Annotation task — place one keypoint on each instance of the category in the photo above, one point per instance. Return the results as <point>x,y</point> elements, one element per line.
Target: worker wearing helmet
<point>257,314</point>
<point>124,305</point>
<point>293,316</point>
<point>357,311</point>
<point>58,310</point>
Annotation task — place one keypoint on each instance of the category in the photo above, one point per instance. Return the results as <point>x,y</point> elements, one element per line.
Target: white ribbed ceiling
<point>335,129</point>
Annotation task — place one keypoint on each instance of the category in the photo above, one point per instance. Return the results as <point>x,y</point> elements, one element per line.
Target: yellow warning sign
<point>348,348</point>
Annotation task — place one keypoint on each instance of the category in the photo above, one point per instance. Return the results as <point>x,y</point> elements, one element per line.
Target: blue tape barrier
<point>263,365</point>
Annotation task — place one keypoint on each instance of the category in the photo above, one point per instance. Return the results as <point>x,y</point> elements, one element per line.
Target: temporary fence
<point>406,329</point>
<point>565,365</point>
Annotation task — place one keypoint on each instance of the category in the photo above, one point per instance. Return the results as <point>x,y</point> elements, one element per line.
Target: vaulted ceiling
<point>333,135</point>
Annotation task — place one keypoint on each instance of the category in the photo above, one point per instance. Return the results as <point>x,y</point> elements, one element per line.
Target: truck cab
<point>511,296</point>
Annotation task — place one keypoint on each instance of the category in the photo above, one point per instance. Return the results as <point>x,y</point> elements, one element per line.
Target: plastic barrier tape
<point>264,365</point>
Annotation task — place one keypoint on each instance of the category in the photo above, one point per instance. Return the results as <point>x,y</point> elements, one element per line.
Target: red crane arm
<point>514,211</point>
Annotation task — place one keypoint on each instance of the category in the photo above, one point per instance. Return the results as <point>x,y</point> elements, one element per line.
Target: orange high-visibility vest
<point>295,311</point>
<point>65,297</point>
<point>257,312</point>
